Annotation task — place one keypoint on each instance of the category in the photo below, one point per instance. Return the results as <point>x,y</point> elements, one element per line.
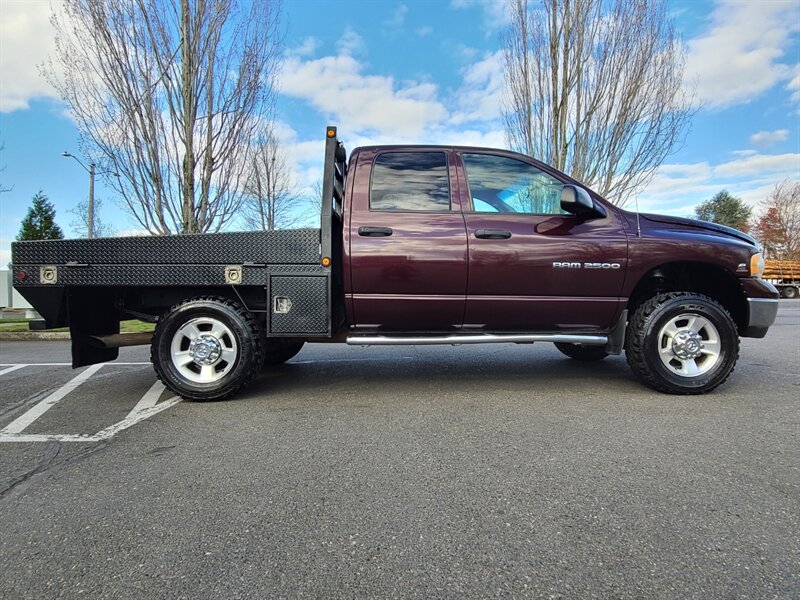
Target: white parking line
<point>21,365</point>
<point>20,423</point>
<point>9,369</point>
<point>147,406</point>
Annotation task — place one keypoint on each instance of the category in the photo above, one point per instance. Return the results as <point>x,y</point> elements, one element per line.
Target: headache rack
<point>335,171</point>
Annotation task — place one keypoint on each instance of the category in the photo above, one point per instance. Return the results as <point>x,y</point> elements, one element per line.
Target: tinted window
<point>410,181</point>
<point>501,184</point>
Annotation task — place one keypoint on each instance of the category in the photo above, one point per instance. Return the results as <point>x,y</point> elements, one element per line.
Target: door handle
<point>375,231</point>
<point>492,234</point>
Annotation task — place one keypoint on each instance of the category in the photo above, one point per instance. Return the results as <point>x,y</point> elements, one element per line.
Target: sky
<point>429,72</point>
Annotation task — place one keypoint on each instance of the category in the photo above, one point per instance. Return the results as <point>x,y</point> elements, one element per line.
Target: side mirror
<point>577,201</point>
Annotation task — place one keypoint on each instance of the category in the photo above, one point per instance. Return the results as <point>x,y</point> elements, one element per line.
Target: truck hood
<point>715,227</point>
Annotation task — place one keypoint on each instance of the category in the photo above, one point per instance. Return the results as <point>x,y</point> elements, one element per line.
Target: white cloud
<point>495,12</point>
<point>336,86</point>
<point>463,52</point>
<point>677,188</point>
<point>398,18</point>
<point>480,97</point>
<point>794,84</point>
<point>350,43</point>
<point>133,233</point>
<point>768,138</point>
<point>424,31</point>
<point>26,40</point>
<point>739,56</point>
<point>760,165</point>
<point>308,47</point>
<point>379,110</point>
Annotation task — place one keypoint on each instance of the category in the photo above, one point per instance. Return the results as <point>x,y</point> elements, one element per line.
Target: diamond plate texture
<point>293,246</point>
<point>158,275</point>
<point>309,313</point>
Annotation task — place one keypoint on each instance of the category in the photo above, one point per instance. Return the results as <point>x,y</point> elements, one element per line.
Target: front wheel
<point>206,348</point>
<point>682,343</point>
<point>789,292</point>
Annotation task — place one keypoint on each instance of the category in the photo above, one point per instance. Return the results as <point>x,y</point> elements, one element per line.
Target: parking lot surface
<point>469,471</point>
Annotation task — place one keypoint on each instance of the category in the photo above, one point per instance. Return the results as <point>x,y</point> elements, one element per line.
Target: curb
<point>26,336</point>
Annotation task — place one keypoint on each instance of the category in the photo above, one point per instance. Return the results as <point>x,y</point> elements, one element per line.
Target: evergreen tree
<point>39,223</point>
<point>725,209</point>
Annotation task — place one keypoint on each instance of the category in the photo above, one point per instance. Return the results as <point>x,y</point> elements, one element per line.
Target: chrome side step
<point>380,340</point>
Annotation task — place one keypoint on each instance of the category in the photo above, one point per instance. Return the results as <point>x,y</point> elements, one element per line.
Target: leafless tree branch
<point>169,94</point>
<point>778,228</point>
<point>594,88</point>
<point>271,202</point>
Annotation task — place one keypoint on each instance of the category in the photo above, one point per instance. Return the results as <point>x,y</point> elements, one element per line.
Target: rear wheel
<point>206,348</point>
<point>581,352</point>
<point>790,292</point>
<point>682,343</point>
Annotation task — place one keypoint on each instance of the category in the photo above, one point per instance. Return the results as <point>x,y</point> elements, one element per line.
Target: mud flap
<point>85,319</point>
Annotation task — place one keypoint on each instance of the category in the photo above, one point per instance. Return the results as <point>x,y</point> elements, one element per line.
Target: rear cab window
<point>410,182</point>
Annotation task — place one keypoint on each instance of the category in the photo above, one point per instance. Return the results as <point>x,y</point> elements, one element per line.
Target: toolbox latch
<point>48,274</point>
<point>233,274</point>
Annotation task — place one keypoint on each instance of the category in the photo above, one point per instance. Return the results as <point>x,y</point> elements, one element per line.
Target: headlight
<point>757,265</point>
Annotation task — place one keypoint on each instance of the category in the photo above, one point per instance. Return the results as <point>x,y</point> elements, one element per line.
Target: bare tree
<point>594,88</point>
<point>778,228</point>
<point>168,94</point>
<point>312,204</point>
<point>80,221</point>
<point>271,202</point>
<point>4,189</point>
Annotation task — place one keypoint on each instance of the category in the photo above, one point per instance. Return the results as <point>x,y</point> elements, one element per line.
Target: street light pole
<point>90,232</point>
<point>90,208</point>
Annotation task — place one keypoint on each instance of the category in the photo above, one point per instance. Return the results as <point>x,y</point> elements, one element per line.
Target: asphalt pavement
<point>406,472</point>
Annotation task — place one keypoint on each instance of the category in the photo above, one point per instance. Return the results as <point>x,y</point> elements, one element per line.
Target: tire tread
<point>247,376</point>
<point>635,351</point>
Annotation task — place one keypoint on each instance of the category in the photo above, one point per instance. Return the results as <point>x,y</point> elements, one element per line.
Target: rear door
<point>533,267</point>
<point>408,242</point>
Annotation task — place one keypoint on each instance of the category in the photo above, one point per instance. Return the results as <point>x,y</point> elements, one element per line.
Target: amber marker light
<point>331,132</point>
<point>326,262</point>
<point>757,265</point>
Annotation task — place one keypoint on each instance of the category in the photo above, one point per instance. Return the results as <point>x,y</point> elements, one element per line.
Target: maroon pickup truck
<point>417,245</point>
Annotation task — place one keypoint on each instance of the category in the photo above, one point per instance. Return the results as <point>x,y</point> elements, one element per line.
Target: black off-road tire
<point>581,352</point>
<point>277,351</point>
<point>240,341</point>
<point>648,354</point>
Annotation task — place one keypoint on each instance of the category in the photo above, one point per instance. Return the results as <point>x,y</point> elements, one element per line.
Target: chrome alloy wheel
<point>204,350</point>
<point>689,345</point>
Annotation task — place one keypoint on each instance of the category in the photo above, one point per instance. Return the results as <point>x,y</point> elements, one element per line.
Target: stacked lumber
<point>782,269</point>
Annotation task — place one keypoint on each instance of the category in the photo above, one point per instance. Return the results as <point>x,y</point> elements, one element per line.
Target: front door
<point>532,266</point>
<point>408,245</point>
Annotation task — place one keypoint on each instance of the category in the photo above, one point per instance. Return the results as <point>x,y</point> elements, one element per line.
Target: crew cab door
<point>407,243</point>
<point>532,266</point>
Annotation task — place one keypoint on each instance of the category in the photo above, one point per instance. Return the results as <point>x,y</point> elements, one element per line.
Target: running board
<point>379,340</point>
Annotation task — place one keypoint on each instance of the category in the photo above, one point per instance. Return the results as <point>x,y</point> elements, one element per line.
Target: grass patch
<point>135,326</point>
<point>21,325</point>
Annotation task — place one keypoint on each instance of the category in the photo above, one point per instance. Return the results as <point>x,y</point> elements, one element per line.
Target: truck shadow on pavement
<point>420,375</point>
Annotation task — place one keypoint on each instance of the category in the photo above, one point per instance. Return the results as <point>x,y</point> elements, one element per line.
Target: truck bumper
<point>761,311</point>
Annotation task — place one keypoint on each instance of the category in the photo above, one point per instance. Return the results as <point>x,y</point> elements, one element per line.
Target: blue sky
<point>428,72</point>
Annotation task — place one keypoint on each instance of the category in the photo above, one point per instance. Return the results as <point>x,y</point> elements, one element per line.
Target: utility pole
<point>90,233</point>
<point>90,211</point>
